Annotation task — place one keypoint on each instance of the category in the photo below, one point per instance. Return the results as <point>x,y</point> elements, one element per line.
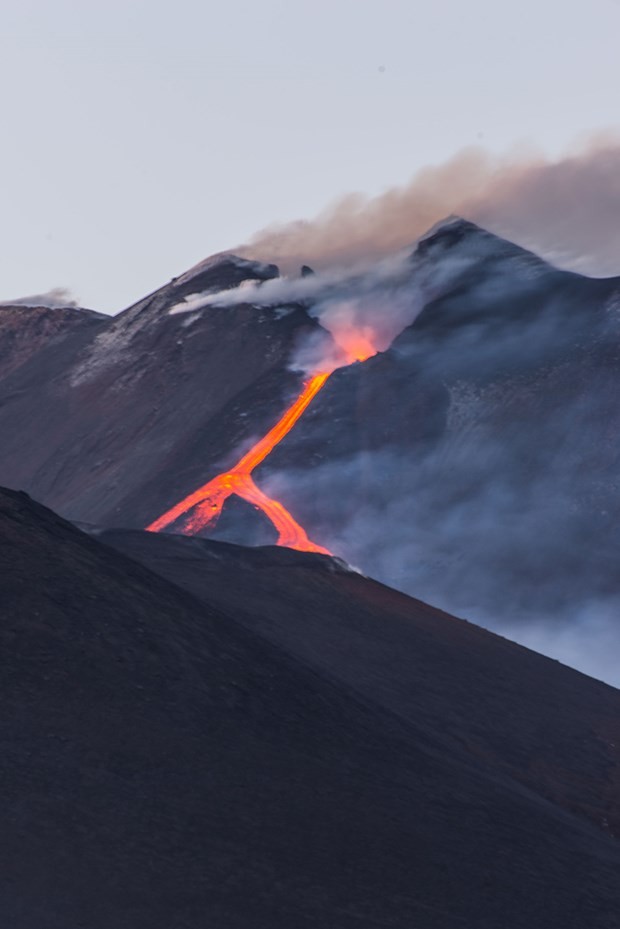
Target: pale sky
<point>140,136</point>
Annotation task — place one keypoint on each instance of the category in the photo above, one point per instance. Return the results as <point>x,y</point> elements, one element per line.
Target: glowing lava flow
<point>209,499</point>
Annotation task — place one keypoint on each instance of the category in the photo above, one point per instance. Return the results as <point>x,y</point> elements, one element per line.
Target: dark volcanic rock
<point>162,765</point>
<point>116,425</point>
<point>26,330</point>
<point>553,729</point>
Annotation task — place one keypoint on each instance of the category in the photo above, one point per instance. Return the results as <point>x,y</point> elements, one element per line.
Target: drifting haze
<point>56,297</point>
<point>567,210</point>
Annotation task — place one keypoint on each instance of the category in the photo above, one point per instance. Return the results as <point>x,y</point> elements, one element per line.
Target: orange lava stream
<point>209,499</point>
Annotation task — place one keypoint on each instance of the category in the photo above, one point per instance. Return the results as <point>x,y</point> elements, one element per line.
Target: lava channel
<point>208,500</point>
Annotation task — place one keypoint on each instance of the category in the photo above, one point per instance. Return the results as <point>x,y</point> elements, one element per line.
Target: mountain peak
<point>456,250</point>
<point>457,234</point>
<point>222,271</point>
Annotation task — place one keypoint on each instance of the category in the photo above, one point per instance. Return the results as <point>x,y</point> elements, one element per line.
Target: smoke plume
<point>363,307</point>
<point>56,297</point>
<point>567,210</point>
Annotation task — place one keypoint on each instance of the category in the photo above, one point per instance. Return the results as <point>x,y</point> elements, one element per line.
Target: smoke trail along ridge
<point>363,307</point>
<point>567,210</point>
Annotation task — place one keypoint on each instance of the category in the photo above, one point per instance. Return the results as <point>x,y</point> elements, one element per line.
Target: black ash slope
<point>549,727</point>
<point>162,765</point>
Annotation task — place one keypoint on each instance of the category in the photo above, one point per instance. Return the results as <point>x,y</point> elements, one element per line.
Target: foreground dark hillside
<point>549,727</point>
<point>164,765</point>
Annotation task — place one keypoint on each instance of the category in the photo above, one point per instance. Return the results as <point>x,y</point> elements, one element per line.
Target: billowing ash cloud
<point>567,210</point>
<point>56,297</point>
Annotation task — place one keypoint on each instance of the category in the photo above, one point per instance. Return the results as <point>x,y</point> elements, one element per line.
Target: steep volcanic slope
<point>99,428</point>
<point>161,765</point>
<point>549,727</point>
<point>26,330</point>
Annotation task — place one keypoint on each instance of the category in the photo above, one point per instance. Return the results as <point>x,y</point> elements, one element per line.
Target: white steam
<point>371,303</point>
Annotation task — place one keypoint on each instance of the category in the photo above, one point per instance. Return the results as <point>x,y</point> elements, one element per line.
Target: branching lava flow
<point>206,503</point>
<point>208,500</point>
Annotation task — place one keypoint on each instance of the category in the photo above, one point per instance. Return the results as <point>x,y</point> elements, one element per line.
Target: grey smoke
<point>481,557</point>
<point>567,210</point>
<point>588,639</point>
<point>56,297</point>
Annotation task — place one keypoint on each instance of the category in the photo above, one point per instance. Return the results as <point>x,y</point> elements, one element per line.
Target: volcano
<point>220,721</point>
<point>472,463</point>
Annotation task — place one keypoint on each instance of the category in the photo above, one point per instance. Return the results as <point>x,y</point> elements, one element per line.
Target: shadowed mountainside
<point>27,330</point>
<point>480,693</point>
<point>164,764</point>
<point>111,410</point>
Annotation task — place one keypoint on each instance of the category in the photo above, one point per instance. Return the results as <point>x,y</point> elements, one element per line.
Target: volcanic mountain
<point>473,463</point>
<point>261,738</point>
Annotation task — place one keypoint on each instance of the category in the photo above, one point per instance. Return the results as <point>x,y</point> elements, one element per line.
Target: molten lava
<point>208,500</point>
